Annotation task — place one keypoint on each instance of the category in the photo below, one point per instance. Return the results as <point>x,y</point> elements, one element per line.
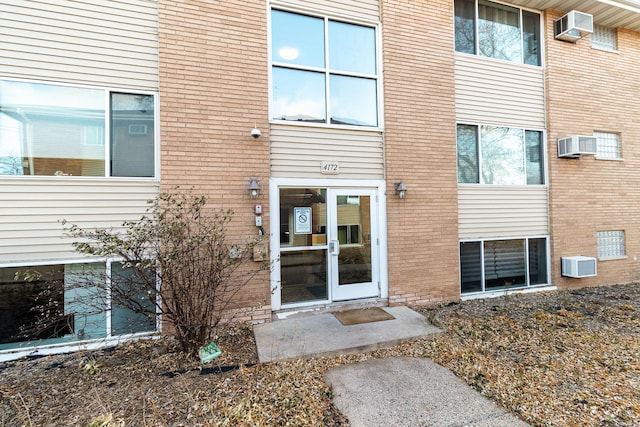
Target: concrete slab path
<point>411,392</point>
<point>324,334</point>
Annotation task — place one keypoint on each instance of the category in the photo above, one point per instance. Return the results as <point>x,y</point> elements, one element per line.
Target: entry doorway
<point>328,245</point>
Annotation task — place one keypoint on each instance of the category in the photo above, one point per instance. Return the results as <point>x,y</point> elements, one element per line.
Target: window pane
<point>533,140</point>
<point>504,264</point>
<point>297,39</point>
<point>354,101</point>
<point>531,38</point>
<point>470,267</point>
<point>313,199</point>
<point>467,154</point>
<point>538,262</point>
<point>51,130</point>
<point>132,135</point>
<point>352,48</point>
<point>502,151</point>
<point>465,26</point>
<point>133,300</point>
<point>304,275</point>
<point>298,95</point>
<point>51,304</point>
<point>499,31</point>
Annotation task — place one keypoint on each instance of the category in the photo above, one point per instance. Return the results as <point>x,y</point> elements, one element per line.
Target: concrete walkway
<point>385,392</point>
<point>324,334</point>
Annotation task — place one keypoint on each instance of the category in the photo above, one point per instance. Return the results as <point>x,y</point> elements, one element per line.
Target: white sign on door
<point>302,218</point>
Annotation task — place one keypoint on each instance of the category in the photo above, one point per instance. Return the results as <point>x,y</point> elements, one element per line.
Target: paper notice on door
<point>302,218</point>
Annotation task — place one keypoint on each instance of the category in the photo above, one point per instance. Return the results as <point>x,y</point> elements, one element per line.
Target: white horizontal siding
<point>362,10</point>
<point>489,91</point>
<point>297,151</point>
<point>108,43</point>
<point>488,211</point>
<point>31,211</point>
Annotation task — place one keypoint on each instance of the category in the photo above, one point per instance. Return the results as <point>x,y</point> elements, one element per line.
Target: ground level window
<point>503,264</point>
<point>66,303</point>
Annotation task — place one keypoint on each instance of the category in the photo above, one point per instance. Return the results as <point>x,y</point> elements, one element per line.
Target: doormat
<point>362,315</point>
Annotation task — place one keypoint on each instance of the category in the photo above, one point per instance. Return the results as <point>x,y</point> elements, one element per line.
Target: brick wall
<point>213,89</point>
<point>593,90</point>
<point>420,149</point>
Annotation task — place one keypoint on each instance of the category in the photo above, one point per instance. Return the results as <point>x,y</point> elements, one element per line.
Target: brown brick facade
<point>593,90</point>
<point>420,150</point>
<point>213,90</point>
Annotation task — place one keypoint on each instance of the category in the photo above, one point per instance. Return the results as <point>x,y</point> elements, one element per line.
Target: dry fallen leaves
<point>566,358</point>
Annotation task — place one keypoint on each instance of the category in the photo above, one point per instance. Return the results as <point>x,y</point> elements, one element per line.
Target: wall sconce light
<point>401,189</point>
<point>254,188</point>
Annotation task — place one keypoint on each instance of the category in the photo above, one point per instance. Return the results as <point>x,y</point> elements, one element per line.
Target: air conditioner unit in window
<point>137,129</point>
<point>578,266</point>
<point>571,26</point>
<point>576,146</point>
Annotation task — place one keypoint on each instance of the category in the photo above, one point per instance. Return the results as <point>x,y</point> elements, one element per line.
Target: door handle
<point>334,247</point>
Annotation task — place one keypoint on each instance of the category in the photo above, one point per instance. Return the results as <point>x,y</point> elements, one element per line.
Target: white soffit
<point>610,13</point>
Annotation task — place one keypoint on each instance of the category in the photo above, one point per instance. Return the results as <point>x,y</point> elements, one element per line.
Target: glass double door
<point>328,244</point>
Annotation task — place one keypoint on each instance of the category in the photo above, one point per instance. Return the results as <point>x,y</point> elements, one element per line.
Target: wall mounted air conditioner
<point>576,146</point>
<point>571,26</point>
<point>578,266</point>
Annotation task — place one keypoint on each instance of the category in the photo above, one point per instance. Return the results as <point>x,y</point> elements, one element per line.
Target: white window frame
<point>522,9</point>
<point>90,344</point>
<point>107,130</point>
<point>499,292</point>
<point>327,71</point>
<point>611,245</point>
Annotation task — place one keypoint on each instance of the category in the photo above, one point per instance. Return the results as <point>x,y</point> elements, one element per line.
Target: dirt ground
<point>565,358</point>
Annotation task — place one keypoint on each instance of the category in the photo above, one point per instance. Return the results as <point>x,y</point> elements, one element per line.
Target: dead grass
<point>568,358</point>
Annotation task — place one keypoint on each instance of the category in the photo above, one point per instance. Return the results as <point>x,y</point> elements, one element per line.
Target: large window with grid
<point>323,70</point>
<point>604,38</point>
<point>610,244</point>
<point>608,145</point>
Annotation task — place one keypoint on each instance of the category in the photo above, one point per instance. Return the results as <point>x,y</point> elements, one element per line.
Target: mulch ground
<point>566,358</point>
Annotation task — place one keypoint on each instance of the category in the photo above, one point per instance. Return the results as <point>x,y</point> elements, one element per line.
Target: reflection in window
<point>54,130</point>
<point>305,88</point>
<point>503,32</point>
<point>54,304</point>
<point>132,138</point>
<point>499,155</point>
<point>133,301</point>
<point>503,264</point>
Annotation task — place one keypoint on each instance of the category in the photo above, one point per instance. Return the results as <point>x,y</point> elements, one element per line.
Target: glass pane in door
<point>303,245</point>
<point>354,237</point>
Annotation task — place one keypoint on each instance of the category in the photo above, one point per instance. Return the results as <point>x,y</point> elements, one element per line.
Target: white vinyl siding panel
<point>107,43</point>
<point>31,211</point>
<point>297,151</point>
<point>488,211</point>
<point>490,91</point>
<point>361,10</point>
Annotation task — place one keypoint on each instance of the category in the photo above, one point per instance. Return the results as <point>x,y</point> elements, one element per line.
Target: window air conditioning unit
<point>571,26</point>
<point>137,129</point>
<point>578,266</point>
<point>576,146</point>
